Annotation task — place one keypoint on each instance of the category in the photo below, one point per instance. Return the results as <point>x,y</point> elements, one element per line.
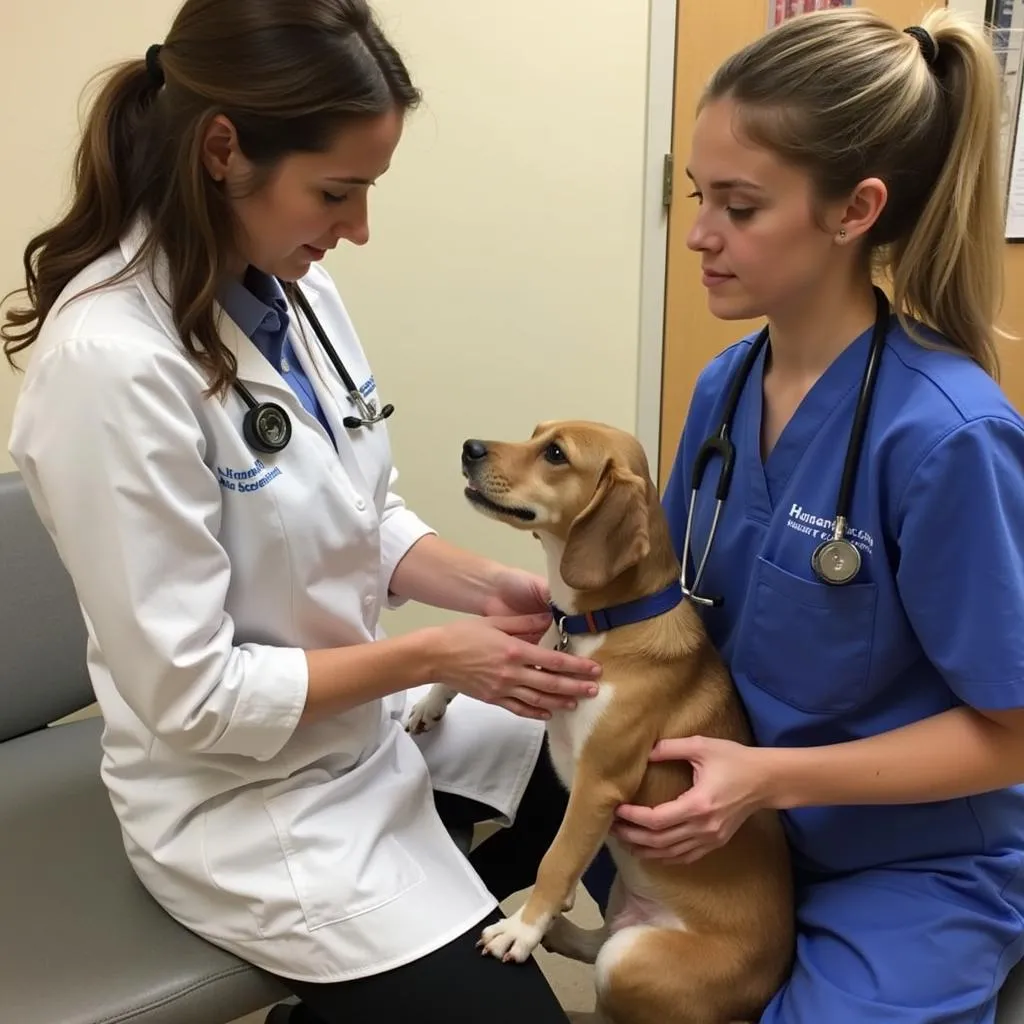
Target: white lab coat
<point>312,850</point>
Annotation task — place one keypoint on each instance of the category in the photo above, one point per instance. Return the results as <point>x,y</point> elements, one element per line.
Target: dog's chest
<point>568,731</point>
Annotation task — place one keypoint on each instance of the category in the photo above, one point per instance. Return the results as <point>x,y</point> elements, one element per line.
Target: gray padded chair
<point>81,941</point>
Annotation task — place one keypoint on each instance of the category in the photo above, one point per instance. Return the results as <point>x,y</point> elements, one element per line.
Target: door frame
<point>661,69</point>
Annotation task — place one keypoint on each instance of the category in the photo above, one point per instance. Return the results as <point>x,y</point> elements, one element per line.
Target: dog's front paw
<point>427,712</point>
<point>512,938</point>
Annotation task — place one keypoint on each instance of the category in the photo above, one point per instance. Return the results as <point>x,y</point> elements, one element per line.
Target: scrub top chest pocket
<point>806,642</point>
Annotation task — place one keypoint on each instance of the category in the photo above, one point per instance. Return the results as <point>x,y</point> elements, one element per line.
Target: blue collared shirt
<point>260,309</point>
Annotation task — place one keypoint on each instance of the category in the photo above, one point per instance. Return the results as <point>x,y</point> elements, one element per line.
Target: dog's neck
<point>561,593</point>
<point>651,574</point>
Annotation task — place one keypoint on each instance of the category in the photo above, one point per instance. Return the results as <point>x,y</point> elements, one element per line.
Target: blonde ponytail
<point>848,96</point>
<point>948,272</point>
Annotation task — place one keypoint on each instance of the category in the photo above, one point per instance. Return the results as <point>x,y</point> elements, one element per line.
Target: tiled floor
<point>571,981</point>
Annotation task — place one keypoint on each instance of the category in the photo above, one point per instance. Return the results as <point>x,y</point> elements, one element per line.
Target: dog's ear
<point>611,534</point>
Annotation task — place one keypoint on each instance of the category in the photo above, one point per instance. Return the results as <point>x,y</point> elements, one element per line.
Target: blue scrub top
<point>935,616</point>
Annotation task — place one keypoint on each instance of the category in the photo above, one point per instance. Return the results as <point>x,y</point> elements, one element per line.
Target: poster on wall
<point>1014,230</point>
<point>780,10</point>
<point>1005,19</point>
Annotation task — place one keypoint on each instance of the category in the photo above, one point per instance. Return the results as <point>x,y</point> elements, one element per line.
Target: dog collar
<point>603,619</point>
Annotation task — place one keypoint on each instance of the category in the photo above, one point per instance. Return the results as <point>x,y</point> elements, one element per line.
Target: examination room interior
<point>520,250</point>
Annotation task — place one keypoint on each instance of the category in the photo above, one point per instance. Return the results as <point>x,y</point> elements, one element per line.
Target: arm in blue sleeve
<point>961,560</point>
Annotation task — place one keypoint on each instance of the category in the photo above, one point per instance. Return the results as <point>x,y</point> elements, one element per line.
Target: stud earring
<point>842,236</point>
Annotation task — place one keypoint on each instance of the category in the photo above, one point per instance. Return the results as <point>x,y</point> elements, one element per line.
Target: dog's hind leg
<point>648,975</point>
<point>568,939</point>
<point>584,944</point>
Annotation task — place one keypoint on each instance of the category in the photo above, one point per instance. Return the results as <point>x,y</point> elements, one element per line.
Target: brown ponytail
<point>288,75</point>
<point>105,194</point>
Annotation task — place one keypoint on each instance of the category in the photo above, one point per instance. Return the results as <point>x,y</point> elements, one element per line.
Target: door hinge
<point>666,180</point>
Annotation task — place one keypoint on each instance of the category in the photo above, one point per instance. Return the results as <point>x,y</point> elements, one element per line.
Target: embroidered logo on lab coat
<point>253,478</point>
<point>366,389</point>
<point>821,528</point>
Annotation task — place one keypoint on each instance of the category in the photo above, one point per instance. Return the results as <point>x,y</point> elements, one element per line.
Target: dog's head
<point>586,484</point>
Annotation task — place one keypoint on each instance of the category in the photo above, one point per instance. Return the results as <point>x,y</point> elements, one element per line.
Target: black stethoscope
<point>267,427</point>
<point>835,561</point>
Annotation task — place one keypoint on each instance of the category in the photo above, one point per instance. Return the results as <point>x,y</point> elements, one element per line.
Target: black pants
<point>456,984</point>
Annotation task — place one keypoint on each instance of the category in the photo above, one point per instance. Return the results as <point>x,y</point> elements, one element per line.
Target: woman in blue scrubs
<point>887,711</point>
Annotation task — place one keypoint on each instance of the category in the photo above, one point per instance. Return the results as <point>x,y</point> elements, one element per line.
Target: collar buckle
<point>563,636</point>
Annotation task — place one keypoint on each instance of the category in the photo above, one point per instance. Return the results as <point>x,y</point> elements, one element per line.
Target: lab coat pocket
<point>806,642</point>
<point>338,840</point>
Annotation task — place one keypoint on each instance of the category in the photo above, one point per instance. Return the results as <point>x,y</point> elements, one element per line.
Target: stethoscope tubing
<point>272,439</point>
<point>721,444</point>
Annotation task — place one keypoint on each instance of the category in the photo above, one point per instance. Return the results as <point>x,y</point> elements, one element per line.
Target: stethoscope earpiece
<point>353,422</point>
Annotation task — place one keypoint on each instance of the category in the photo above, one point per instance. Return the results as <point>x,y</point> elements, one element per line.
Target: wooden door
<point>706,33</point>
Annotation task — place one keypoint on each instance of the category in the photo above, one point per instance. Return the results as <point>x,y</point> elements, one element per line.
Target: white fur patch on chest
<point>568,731</point>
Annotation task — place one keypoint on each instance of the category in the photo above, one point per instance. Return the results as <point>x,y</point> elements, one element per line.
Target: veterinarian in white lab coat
<point>270,797</point>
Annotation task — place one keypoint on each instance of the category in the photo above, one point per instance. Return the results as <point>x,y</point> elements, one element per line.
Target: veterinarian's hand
<point>519,593</point>
<point>727,789</point>
<point>494,660</point>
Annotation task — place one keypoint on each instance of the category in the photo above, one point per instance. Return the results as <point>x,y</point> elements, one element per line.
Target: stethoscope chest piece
<point>267,428</point>
<point>836,561</point>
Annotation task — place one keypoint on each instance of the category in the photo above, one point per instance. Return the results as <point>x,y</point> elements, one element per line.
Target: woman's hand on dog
<point>496,660</point>
<point>728,786</point>
<point>516,592</point>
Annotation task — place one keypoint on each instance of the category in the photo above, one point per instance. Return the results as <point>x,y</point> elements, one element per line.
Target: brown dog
<point>704,943</point>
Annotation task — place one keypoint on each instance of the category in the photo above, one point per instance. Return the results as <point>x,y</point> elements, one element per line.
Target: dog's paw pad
<point>511,939</point>
<point>425,715</point>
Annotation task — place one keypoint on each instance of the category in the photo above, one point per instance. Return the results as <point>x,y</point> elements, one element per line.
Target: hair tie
<point>153,68</point>
<point>929,48</point>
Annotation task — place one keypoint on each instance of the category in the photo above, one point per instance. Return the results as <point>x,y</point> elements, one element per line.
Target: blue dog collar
<point>603,619</point>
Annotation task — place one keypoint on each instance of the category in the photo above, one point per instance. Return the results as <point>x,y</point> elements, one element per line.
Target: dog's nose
<point>473,451</point>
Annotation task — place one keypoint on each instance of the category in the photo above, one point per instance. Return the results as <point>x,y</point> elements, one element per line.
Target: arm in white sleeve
<point>108,438</point>
<point>400,529</point>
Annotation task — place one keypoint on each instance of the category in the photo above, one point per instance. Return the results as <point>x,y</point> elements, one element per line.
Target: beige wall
<point>506,239</point>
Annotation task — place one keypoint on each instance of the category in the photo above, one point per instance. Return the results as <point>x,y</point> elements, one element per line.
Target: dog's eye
<point>555,455</point>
